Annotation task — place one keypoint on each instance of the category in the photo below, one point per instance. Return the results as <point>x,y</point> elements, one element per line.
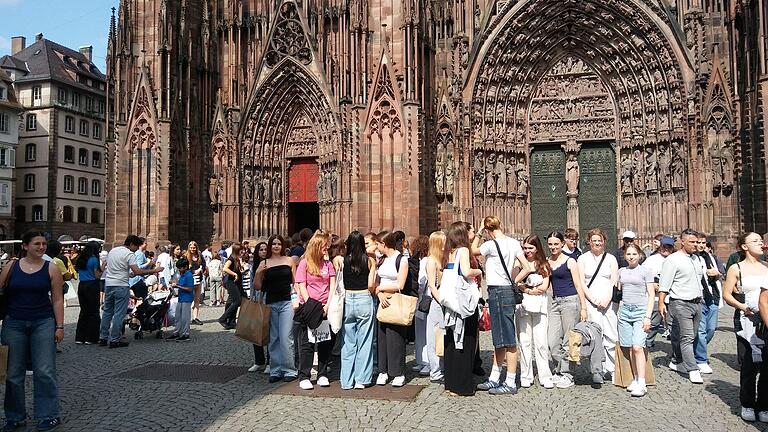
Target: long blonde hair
<point>436,247</point>
<point>189,253</point>
<point>314,252</point>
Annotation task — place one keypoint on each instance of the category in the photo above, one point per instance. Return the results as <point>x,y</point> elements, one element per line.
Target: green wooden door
<point>548,201</point>
<point>597,193</point>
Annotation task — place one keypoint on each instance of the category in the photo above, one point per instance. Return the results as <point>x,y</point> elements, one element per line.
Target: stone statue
<point>664,164</point>
<point>60,214</point>
<point>638,172</point>
<point>439,173</point>
<point>449,175</point>
<point>522,177</point>
<point>247,187</point>
<point>490,166</point>
<point>266,187</point>
<point>213,190</point>
<point>277,186</point>
<point>500,175</point>
<point>511,176</point>
<point>334,182</point>
<point>478,173</point>
<point>572,174</point>
<point>320,186</point>
<point>626,174</point>
<point>651,165</point>
<point>677,167</point>
<point>726,158</point>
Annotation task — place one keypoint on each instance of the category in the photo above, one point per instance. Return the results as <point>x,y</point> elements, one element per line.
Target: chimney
<point>38,37</point>
<point>87,51</point>
<point>18,43</point>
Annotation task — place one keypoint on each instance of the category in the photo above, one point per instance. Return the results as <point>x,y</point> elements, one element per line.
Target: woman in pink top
<point>315,276</point>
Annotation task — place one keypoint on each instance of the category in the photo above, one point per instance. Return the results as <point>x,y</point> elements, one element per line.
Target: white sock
<point>641,382</point>
<point>510,380</point>
<point>495,374</point>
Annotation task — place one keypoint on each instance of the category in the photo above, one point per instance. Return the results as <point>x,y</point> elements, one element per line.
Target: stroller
<point>150,315</point>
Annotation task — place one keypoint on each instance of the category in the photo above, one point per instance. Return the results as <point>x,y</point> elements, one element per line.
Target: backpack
<point>411,287</point>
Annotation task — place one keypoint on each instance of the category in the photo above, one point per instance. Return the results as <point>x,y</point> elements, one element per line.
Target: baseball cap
<point>628,235</point>
<point>667,241</point>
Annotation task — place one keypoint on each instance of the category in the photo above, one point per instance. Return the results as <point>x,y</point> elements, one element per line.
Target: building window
<point>5,195</point>
<point>7,157</point>
<point>82,186</point>
<point>31,122</point>
<point>68,213</point>
<point>82,215</point>
<point>37,93</point>
<point>29,183</point>
<point>63,96</point>
<point>69,124</point>
<point>95,216</point>
<point>5,122</point>
<point>84,127</point>
<point>69,184</point>
<point>30,155</point>
<point>89,104</point>
<point>96,131</point>
<point>37,213</point>
<point>76,100</point>
<point>95,188</point>
<point>82,156</point>
<point>101,107</point>
<point>2,93</point>
<point>69,154</point>
<point>96,159</point>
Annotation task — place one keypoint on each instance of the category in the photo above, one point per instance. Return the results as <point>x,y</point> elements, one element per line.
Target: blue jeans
<point>707,327</point>
<point>501,308</point>
<point>281,362</point>
<point>631,333</point>
<point>31,341</point>
<point>357,352</point>
<point>115,306</point>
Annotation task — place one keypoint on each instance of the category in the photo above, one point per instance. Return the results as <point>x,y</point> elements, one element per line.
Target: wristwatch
<point>59,327</point>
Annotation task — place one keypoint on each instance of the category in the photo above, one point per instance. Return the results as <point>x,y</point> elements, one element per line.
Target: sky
<point>72,23</point>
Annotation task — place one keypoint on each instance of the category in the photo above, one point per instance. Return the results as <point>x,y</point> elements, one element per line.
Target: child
<point>186,289</point>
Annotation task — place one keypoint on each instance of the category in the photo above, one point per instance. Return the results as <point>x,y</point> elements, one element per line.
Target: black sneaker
<point>102,342</point>
<point>289,378</point>
<point>173,336</point>
<point>48,425</point>
<point>196,322</point>
<point>118,344</point>
<point>183,338</point>
<point>11,425</point>
<point>274,378</point>
<point>224,324</point>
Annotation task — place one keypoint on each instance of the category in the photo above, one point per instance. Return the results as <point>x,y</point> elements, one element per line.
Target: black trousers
<point>260,355</point>
<point>752,396</point>
<point>235,297</point>
<point>459,362</point>
<point>307,354</point>
<point>391,349</point>
<point>89,320</point>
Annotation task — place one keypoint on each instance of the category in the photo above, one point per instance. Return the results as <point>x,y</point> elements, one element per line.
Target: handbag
<point>515,290</point>
<point>336,305</point>
<point>454,287</point>
<point>425,302</point>
<point>400,311</point>
<point>253,322</point>
<point>3,299</point>
<point>484,324</point>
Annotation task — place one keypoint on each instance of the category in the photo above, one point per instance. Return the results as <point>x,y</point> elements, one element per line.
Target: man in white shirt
<point>164,260</point>
<point>121,263</point>
<point>680,280</point>
<point>653,265</point>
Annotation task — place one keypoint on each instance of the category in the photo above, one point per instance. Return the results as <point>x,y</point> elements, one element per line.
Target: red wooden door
<point>302,181</point>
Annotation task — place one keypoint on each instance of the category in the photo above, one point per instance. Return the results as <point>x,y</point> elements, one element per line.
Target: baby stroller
<point>149,316</point>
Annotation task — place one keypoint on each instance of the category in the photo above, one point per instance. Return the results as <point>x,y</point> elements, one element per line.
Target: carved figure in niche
<point>334,182</point>
<point>449,175</point>
<point>327,184</point>
<point>511,176</point>
<point>572,174</point>
<point>277,187</point>
<point>500,174</point>
<point>726,158</point>
<point>247,187</point>
<point>490,179</point>
<point>664,165</point>
<point>626,174</point>
<point>266,188</point>
<point>320,186</point>
<point>677,167</point>
<point>478,173</point>
<point>522,177</point>
<point>214,189</point>
<point>638,173</point>
<point>439,173</point>
<point>651,165</point>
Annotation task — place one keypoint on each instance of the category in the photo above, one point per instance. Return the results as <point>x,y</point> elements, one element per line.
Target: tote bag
<point>400,311</point>
<point>455,290</point>
<point>253,322</point>
<point>336,304</point>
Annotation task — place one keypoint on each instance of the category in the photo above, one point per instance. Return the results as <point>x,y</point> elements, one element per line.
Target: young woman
<point>35,312</point>
<point>359,272</point>
<point>371,246</point>
<point>532,320</point>
<point>501,301</point>
<point>460,343</point>
<point>315,276</point>
<point>274,279</point>
<point>89,271</point>
<point>637,289</point>
<point>434,322</point>
<point>420,251</point>
<point>599,283</point>
<point>197,266</point>
<point>232,284</point>
<point>391,337</point>
<point>568,306</point>
<point>745,280</point>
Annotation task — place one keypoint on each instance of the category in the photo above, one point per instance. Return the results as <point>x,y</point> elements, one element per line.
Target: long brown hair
<point>235,256</point>
<point>456,237</point>
<point>314,252</point>
<point>542,265</point>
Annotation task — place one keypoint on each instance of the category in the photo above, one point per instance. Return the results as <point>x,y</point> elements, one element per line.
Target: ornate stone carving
<point>266,188</point>
<point>478,173</point>
<point>626,174</point>
<point>638,171</point>
<point>665,162</point>
<point>449,179</point>
<point>677,167</point>
<point>572,175</point>
<point>490,178</point>
<point>277,187</point>
<point>522,177</point>
<point>247,186</point>
<point>651,167</point>
<point>288,38</point>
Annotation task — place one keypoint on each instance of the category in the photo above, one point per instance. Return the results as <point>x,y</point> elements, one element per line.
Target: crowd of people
<point>533,296</point>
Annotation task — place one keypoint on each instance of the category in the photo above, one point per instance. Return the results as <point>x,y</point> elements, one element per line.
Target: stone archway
<point>641,69</point>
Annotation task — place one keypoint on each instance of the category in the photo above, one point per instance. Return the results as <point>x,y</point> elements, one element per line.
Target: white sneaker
<point>632,386</point>
<point>695,377</point>
<point>673,366</point>
<point>705,368</point>
<point>748,414</point>
<point>254,368</point>
<point>266,370</point>
<point>359,387</point>
<point>525,383</point>
<point>763,416</point>
<point>323,382</point>
<point>546,383</point>
<point>382,379</point>
<point>565,382</point>
<point>306,385</point>
<point>639,391</point>
<point>398,381</point>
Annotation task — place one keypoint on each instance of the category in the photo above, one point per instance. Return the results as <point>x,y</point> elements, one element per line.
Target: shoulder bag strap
<point>741,284</point>
<point>503,264</point>
<point>597,270</point>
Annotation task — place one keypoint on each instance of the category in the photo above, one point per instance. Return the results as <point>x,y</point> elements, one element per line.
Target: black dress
<point>458,363</point>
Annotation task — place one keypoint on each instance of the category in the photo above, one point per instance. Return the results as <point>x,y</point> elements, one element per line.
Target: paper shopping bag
<point>253,322</point>
<point>3,362</point>
<point>623,375</point>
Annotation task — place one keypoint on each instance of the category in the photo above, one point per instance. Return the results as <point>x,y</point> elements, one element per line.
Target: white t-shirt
<point>164,260</point>
<point>215,269</point>
<point>494,271</point>
<point>388,270</point>
<point>119,263</point>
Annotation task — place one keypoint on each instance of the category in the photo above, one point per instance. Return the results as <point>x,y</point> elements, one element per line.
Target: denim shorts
<point>501,308</point>
<point>631,325</point>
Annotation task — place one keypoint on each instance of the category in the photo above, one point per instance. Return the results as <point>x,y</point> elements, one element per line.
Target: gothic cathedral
<point>234,119</point>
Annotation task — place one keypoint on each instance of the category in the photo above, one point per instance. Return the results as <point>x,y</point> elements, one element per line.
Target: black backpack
<point>411,287</point>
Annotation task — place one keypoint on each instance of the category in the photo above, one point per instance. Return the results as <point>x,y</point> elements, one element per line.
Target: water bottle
<point>294,300</point>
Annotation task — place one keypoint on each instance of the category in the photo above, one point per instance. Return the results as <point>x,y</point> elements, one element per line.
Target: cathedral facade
<point>234,119</point>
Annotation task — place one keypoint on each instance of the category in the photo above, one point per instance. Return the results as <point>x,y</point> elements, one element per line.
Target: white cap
<point>628,234</point>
